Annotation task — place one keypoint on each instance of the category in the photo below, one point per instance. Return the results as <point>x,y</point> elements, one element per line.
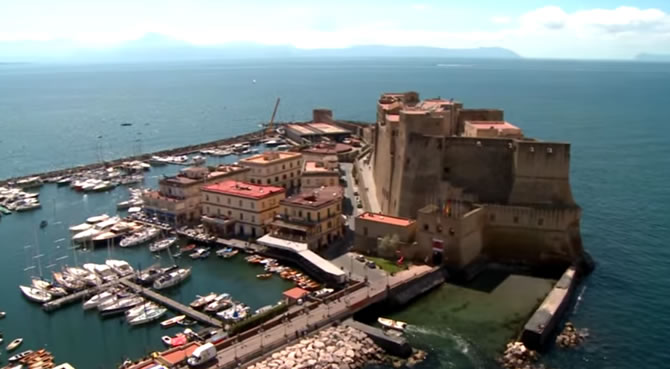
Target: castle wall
<point>382,168</point>
<point>479,166</point>
<point>541,174</point>
<point>532,235</point>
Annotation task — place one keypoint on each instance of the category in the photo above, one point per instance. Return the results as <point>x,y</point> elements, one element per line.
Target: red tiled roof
<point>382,218</point>
<point>295,293</point>
<point>243,189</point>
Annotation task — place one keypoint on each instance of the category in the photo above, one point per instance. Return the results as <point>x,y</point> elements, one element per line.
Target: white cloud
<point>501,19</point>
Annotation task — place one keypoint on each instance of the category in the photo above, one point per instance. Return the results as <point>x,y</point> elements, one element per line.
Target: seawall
<point>396,346</point>
<point>416,287</point>
<point>542,323</point>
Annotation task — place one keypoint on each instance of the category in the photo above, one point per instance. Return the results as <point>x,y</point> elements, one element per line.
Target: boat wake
<point>461,343</point>
<point>579,300</point>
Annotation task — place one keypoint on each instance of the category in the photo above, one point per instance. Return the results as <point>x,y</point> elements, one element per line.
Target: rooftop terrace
<point>386,219</point>
<point>315,198</point>
<point>243,189</point>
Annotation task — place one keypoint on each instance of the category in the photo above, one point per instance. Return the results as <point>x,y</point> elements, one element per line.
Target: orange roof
<point>179,354</point>
<point>296,293</point>
<point>313,166</point>
<point>497,124</point>
<point>382,218</point>
<point>243,189</point>
<point>270,157</point>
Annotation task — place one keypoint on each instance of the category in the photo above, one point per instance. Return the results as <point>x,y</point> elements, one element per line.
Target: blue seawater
<point>615,115</point>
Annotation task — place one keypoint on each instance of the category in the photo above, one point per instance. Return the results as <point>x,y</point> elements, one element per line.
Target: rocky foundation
<point>570,336</point>
<point>517,356</point>
<point>338,347</point>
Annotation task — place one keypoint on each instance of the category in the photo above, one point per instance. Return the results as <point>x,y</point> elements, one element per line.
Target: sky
<point>588,29</point>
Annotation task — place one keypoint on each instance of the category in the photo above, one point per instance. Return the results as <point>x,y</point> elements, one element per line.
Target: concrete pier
<point>173,305</point>
<point>541,325</point>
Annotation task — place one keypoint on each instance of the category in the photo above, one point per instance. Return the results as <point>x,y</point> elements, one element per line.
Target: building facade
<point>313,217</point>
<point>177,200</point>
<point>240,208</point>
<point>371,228</point>
<point>277,168</point>
<point>316,174</point>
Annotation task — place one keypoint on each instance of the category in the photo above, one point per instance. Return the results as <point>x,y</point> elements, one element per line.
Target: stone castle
<point>476,186</point>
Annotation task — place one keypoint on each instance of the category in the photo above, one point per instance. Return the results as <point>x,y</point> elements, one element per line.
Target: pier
<point>172,304</point>
<point>78,296</point>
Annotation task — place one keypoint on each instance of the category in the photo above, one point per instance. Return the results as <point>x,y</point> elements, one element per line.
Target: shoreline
<point>181,150</point>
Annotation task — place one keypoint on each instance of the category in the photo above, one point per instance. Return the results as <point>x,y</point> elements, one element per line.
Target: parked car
<point>371,264</point>
<point>360,258</point>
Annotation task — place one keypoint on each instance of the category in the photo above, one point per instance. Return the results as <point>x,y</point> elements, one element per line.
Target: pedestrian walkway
<point>367,187</point>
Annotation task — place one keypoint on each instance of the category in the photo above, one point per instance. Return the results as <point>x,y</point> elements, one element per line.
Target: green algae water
<point>612,113</point>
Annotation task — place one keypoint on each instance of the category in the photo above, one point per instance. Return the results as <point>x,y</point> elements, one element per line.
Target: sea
<point>613,113</point>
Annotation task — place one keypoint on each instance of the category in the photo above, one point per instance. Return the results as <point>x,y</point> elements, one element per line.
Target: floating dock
<point>78,296</point>
<point>173,305</point>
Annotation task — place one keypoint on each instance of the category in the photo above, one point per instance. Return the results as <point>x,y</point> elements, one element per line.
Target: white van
<point>202,355</point>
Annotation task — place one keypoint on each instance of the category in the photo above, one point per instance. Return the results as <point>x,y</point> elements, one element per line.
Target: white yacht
<point>162,244</point>
<point>35,294</point>
<point>140,237</point>
<point>139,309</point>
<point>104,271</point>
<point>172,279</point>
<point>98,299</point>
<point>147,316</point>
<point>97,219</point>
<point>121,267</point>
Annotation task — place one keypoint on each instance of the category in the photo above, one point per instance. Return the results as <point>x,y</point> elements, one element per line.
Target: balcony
<point>218,220</point>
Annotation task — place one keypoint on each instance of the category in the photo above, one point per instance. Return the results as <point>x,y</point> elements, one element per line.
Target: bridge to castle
<point>312,315</point>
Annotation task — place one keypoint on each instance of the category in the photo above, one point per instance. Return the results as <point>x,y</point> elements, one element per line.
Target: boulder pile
<point>337,347</point>
<point>517,356</point>
<point>570,336</point>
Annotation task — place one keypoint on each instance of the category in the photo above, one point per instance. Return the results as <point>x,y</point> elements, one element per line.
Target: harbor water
<point>612,113</point>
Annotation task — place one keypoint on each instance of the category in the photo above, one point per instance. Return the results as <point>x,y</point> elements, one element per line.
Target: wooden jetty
<point>78,296</point>
<point>173,305</point>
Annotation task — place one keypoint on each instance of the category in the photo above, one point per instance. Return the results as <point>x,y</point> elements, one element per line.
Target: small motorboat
<point>178,340</point>
<point>2,314</point>
<point>200,253</point>
<point>14,344</point>
<point>187,247</point>
<point>392,324</point>
<point>20,356</point>
<point>264,276</point>
<point>167,340</point>
<point>172,321</point>
<point>43,224</point>
<point>162,244</point>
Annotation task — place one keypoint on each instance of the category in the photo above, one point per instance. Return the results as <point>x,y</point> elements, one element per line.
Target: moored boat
<point>35,294</point>
<point>221,302</point>
<point>264,276</point>
<point>172,321</point>
<point>148,315</point>
<point>121,267</point>
<point>121,305</point>
<point>172,278</point>
<point>162,244</point>
<point>200,253</point>
<point>140,237</point>
<point>201,301</point>
<point>19,356</point>
<point>14,344</point>
<point>98,299</point>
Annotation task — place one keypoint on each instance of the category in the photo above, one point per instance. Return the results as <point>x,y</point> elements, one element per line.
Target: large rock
<point>319,344</point>
<point>311,362</point>
<point>350,353</point>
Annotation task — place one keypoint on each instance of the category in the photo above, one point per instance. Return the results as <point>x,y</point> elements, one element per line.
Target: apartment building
<point>313,217</point>
<point>177,200</point>
<point>277,168</point>
<point>240,208</point>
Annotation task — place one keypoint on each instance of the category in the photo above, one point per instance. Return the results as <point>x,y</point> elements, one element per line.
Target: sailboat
<point>35,294</point>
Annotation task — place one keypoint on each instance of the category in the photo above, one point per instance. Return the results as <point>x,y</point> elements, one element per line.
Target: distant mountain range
<point>156,47</point>
<point>653,57</point>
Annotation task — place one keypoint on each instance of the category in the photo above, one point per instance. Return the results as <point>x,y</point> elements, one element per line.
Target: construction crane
<point>270,126</point>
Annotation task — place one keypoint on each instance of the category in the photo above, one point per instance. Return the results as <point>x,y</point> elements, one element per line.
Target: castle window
<point>407,161</point>
<point>540,221</point>
<point>516,219</point>
<point>492,217</point>
<point>451,232</point>
<point>439,144</point>
<point>438,228</point>
<point>365,231</point>
<point>425,227</point>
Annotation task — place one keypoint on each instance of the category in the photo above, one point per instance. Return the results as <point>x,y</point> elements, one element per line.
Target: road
<point>269,340</point>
